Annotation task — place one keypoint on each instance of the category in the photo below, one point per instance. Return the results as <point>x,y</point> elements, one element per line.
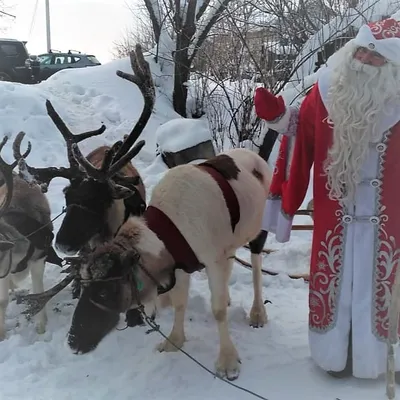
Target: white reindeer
<point>24,209</point>
<point>128,270</point>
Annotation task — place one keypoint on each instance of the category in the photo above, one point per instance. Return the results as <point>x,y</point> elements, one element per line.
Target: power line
<point>33,18</point>
<point>9,15</point>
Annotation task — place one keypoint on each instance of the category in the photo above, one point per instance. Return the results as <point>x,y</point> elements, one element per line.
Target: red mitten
<point>268,106</point>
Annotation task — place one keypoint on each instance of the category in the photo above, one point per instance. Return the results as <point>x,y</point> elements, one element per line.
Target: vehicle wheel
<point>5,77</point>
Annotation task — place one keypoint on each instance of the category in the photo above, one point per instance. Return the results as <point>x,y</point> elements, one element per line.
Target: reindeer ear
<point>121,192</point>
<point>4,246</point>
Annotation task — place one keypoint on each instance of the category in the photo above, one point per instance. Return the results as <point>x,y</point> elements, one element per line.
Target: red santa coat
<point>355,249</point>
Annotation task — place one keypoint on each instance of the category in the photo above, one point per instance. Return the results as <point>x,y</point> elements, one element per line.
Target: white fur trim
<point>284,228</point>
<point>388,48</point>
<point>274,221</point>
<point>270,217</point>
<point>282,125</point>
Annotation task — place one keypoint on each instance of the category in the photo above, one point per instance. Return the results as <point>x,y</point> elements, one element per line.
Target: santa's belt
<point>348,219</point>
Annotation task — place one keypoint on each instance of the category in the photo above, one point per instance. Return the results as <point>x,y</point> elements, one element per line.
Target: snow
<point>180,133</point>
<point>275,359</point>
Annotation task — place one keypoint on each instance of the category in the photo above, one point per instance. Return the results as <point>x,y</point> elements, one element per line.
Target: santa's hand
<point>268,106</point>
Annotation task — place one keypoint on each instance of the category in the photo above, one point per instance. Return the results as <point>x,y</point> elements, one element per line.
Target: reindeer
<point>198,216</point>
<point>25,236</point>
<point>106,188</point>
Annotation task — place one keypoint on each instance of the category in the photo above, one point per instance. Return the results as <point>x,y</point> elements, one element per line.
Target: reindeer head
<point>89,197</point>
<point>109,284</point>
<point>93,191</point>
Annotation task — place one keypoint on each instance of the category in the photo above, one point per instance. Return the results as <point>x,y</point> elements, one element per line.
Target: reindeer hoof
<point>41,324</point>
<point>168,347</point>
<point>40,328</point>
<point>228,365</point>
<point>258,317</point>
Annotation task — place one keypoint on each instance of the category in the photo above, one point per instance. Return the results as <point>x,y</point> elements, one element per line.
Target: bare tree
<point>141,33</point>
<point>187,23</point>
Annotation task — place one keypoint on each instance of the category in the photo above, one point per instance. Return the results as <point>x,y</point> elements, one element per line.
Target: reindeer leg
<point>4,298</point>
<point>228,273</point>
<point>37,272</point>
<point>228,363</point>
<point>179,297</point>
<point>258,314</point>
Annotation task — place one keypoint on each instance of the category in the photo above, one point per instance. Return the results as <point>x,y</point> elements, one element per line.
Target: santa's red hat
<point>382,37</point>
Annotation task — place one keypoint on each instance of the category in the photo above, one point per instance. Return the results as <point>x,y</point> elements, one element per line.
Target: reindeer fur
<point>27,202</point>
<point>193,201</point>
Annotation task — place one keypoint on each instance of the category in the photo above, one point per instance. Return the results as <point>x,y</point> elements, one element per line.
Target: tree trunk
<point>181,77</point>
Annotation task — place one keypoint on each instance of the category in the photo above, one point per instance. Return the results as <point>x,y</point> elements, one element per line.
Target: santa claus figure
<point>348,128</point>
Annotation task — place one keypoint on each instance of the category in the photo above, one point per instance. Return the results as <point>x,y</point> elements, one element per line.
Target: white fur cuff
<point>284,228</point>
<point>270,218</point>
<point>275,221</point>
<point>281,125</point>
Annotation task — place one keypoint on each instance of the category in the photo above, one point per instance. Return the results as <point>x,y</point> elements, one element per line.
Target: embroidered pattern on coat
<point>387,255</point>
<point>326,280</point>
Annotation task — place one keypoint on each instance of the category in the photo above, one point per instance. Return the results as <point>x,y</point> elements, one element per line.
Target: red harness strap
<point>173,239</point>
<point>229,195</point>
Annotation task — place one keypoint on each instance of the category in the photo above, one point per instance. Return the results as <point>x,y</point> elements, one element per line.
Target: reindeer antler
<point>6,170</point>
<point>144,81</point>
<point>119,154</point>
<point>37,301</point>
<point>45,175</point>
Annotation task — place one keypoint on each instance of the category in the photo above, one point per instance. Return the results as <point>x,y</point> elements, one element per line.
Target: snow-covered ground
<point>275,359</point>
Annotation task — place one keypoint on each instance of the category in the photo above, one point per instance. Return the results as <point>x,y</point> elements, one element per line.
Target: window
<point>45,60</point>
<point>10,50</point>
<point>93,59</point>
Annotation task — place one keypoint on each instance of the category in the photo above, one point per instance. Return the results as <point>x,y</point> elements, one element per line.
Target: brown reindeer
<point>106,188</point>
<point>25,236</point>
<point>198,216</point>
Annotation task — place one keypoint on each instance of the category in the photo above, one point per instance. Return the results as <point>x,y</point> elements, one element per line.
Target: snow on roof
<point>180,133</point>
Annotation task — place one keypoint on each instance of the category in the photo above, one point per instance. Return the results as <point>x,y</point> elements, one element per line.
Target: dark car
<point>53,61</point>
<point>14,64</point>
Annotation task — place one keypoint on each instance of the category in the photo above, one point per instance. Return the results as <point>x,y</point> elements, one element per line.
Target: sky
<point>90,26</point>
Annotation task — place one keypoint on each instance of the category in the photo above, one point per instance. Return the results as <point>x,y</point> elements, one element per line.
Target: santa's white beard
<point>358,97</point>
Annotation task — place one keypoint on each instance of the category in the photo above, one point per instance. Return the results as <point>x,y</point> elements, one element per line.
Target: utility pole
<point>48,24</point>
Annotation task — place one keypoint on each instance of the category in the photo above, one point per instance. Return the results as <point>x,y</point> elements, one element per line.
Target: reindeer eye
<point>103,294</point>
